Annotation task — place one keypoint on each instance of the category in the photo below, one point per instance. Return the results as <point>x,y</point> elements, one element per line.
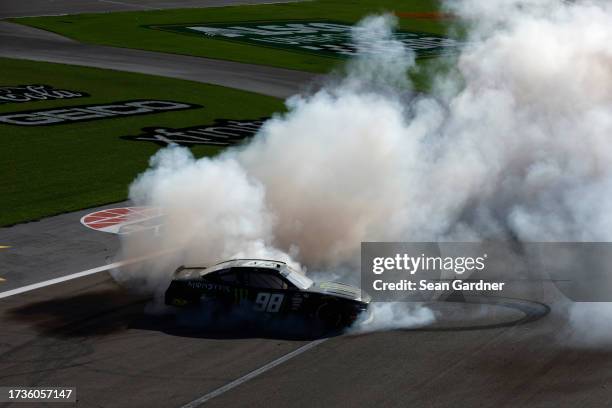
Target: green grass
<point>127,29</point>
<point>48,170</point>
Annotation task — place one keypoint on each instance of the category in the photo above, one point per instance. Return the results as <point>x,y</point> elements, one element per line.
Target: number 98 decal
<point>267,302</point>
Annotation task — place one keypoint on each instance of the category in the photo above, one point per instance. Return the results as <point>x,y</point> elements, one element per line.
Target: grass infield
<point>128,29</point>
<point>48,170</point>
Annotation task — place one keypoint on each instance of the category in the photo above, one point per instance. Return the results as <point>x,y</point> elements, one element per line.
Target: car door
<point>225,285</point>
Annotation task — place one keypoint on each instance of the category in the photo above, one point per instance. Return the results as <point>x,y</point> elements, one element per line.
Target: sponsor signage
<point>223,132</point>
<point>322,37</point>
<point>35,92</point>
<point>82,113</point>
<point>125,220</point>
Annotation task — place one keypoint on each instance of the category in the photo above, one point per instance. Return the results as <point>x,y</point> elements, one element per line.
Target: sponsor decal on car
<point>223,132</point>
<point>35,92</point>
<point>125,220</point>
<point>296,301</point>
<point>179,302</point>
<point>208,286</point>
<point>82,113</point>
<point>322,37</point>
<point>241,295</point>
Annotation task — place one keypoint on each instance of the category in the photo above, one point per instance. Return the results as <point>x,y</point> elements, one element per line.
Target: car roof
<point>235,263</point>
<point>246,263</point>
<point>297,278</point>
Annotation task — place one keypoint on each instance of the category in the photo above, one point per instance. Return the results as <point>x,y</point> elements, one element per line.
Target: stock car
<point>269,288</point>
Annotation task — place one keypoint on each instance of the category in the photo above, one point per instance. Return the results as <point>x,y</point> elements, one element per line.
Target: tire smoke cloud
<point>512,142</point>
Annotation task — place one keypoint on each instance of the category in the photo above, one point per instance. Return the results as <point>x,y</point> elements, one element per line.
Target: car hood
<point>340,290</point>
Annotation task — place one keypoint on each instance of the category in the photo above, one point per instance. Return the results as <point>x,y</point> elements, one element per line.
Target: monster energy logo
<point>240,295</point>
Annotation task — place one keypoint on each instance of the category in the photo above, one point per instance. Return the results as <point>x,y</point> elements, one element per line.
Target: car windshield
<point>298,279</point>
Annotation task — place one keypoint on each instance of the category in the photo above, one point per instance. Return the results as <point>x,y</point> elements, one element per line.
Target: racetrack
<point>17,41</point>
<point>118,352</point>
<point>79,333</point>
<point>91,334</point>
<point>59,245</point>
<point>52,247</point>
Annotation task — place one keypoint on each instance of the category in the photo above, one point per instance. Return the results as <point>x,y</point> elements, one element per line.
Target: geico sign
<point>83,113</point>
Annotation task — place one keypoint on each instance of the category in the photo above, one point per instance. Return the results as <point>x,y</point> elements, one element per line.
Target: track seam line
<point>241,380</point>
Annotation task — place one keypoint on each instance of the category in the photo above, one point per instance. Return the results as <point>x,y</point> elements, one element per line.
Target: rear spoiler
<point>183,267</point>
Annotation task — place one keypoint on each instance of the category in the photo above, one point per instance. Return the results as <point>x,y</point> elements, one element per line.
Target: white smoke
<point>514,142</point>
<point>392,315</point>
<point>588,324</point>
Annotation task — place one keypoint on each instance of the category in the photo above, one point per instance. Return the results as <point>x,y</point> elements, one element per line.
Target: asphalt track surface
<point>119,350</point>
<point>17,41</point>
<point>26,8</point>
<point>53,247</point>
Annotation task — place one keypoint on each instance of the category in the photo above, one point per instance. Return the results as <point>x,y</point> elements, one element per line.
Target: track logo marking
<point>125,220</point>
<point>322,37</point>
<point>84,113</point>
<point>36,92</point>
<point>223,132</point>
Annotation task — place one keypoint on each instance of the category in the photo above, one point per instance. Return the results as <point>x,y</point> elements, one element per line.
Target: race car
<point>267,288</point>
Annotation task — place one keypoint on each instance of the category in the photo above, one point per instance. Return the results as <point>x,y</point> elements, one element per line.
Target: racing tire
<point>329,315</point>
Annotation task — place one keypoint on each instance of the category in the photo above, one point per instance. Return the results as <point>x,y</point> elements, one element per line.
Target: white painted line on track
<point>203,399</point>
<point>78,275</point>
<point>57,280</point>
